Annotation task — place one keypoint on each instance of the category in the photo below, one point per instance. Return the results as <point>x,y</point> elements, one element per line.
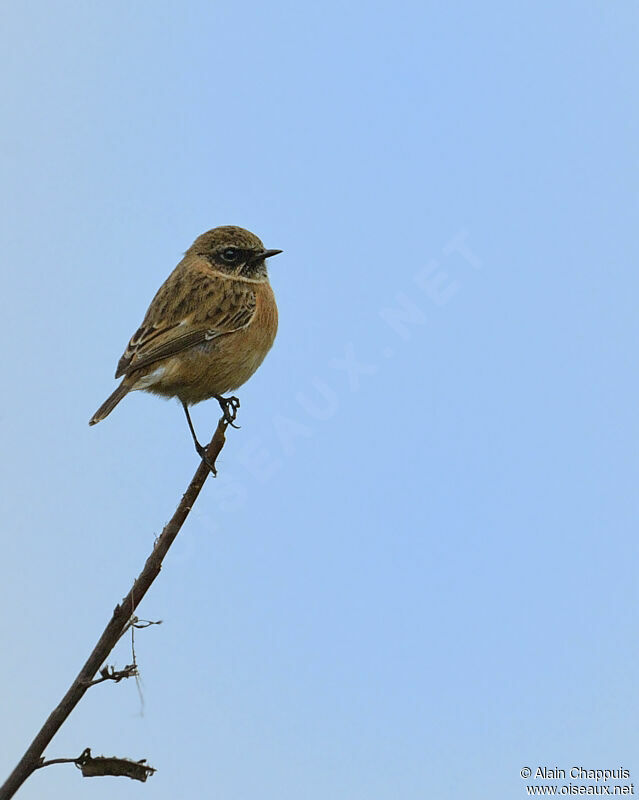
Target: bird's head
<point>234,251</point>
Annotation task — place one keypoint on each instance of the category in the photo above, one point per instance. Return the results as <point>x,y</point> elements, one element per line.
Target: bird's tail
<point>109,404</point>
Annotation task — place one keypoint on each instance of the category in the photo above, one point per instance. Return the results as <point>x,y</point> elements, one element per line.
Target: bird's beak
<point>265,254</point>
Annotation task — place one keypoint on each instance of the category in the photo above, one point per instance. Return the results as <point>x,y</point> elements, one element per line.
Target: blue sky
<point>416,571</point>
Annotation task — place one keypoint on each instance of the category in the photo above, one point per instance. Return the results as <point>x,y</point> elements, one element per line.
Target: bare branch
<point>118,624</point>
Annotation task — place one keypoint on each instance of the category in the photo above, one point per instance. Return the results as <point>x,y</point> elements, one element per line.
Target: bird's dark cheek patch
<point>221,266</point>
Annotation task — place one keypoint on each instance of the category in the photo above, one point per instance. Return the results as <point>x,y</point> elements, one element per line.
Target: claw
<point>229,406</point>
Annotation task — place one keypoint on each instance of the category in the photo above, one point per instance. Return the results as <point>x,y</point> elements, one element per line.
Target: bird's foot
<point>201,451</point>
<point>229,406</point>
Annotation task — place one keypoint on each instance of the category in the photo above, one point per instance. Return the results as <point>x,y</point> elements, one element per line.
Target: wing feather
<point>215,309</point>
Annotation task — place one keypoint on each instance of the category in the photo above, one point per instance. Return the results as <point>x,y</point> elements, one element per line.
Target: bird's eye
<point>230,254</point>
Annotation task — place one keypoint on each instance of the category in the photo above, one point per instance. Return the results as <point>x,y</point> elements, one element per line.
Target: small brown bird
<point>207,329</point>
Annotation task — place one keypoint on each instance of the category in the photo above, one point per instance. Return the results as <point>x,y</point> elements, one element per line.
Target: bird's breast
<point>225,362</point>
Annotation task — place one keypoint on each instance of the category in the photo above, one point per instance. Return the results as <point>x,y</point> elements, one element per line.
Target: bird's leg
<point>229,406</point>
<point>201,451</point>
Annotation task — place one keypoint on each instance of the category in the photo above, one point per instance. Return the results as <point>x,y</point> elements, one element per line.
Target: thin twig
<point>116,675</point>
<point>118,624</point>
<point>77,760</point>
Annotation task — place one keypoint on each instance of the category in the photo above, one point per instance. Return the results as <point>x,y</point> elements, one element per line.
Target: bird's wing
<point>215,309</point>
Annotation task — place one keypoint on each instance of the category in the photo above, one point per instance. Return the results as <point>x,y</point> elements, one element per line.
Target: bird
<point>207,330</point>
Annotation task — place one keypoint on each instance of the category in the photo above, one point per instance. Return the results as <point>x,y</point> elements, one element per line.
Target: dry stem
<point>118,624</point>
